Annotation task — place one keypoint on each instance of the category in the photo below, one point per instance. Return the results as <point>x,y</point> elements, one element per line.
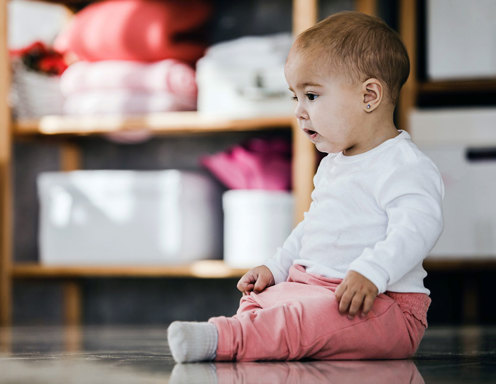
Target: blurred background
<point>141,138</point>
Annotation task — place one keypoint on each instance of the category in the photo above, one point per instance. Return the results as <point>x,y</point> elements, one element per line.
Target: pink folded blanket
<point>168,75</point>
<point>125,102</point>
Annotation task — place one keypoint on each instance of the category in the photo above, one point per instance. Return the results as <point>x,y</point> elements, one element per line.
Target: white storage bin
<point>461,39</point>
<point>462,143</point>
<point>256,222</point>
<point>128,217</point>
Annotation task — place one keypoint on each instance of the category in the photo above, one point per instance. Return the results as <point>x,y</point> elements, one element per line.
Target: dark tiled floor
<point>140,354</point>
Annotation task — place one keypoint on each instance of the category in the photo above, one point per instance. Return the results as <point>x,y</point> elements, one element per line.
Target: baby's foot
<point>192,341</point>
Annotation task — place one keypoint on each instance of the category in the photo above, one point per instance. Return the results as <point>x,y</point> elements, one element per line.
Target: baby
<point>348,281</point>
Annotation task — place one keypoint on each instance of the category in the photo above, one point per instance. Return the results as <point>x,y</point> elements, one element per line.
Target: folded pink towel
<point>168,75</point>
<point>125,102</point>
<point>258,164</point>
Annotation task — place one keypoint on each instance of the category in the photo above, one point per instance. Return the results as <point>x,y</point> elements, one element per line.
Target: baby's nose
<point>300,112</point>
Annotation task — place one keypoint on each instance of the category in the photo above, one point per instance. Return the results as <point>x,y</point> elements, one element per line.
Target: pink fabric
<point>169,76</point>
<point>124,102</point>
<point>341,372</point>
<point>299,319</point>
<point>141,30</point>
<point>259,164</point>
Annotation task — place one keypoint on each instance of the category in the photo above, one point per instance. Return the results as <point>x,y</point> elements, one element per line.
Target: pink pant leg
<point>295,320</point>
<point>266,326</point>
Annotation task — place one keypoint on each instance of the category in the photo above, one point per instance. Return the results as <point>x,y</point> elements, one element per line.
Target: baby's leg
<point>197,341</point>
<point>292,320</point>
<point>298,321</point>
<point>277,324</point>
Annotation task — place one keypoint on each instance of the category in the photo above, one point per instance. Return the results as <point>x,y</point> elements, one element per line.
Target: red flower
<point>53,64</point>
<point>37,56</point>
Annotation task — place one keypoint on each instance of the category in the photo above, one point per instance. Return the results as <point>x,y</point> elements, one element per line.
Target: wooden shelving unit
<point>304,158</point>
<point>304,162</point>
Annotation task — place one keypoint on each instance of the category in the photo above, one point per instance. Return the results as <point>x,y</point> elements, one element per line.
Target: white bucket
<point>256,223</point>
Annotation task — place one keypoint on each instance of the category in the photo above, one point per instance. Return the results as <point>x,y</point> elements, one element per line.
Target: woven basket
<point>34,94</point>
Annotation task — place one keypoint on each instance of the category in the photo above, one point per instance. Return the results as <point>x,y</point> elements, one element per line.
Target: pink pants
<point>299,319</point>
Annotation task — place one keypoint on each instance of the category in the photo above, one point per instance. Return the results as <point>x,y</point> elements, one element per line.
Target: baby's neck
<point>374,133</point>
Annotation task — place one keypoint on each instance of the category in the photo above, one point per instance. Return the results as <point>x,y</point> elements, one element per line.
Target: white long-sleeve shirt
<point>377,213</point>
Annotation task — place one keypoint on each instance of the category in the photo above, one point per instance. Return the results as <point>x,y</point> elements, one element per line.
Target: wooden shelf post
<point>70,160</point>
<point>72,302</point>
<point>5,176</point>
<point>366,6</point>
<point>408,33</point>
<point>304,156</point>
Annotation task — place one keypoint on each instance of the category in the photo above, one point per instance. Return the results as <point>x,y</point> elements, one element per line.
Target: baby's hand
<point>256,279</point>
<point>354,292</point>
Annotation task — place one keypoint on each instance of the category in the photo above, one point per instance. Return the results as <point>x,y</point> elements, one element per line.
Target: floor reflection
<point>373,372</point>
<point>137,354</point>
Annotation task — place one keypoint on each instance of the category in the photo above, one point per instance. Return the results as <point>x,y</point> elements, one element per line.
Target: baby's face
<point>328,108</point>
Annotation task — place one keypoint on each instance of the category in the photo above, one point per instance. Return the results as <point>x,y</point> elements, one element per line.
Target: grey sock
<point>192,341</point>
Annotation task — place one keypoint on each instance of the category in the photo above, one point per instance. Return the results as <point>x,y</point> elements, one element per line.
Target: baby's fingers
<point>356,303</point>
<point>245,281</point>
<point>339,292</point>
<point>367,304</point>
<point>260,284</point>
<point>345,301</point>
<point>248,289</point>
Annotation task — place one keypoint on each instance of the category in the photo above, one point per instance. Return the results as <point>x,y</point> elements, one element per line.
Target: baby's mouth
<point>310,132</point>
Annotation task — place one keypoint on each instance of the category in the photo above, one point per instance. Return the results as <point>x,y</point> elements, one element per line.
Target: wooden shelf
<point>460,264</point>
<point>209,269</point>
<point>201,269</point>
<point>158,123</point>
<point>457,86</point>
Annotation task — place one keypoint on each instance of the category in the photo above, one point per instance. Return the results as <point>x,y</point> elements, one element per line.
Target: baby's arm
<point>411,198</point>
<point>284,257</point>
<point>276,268</point>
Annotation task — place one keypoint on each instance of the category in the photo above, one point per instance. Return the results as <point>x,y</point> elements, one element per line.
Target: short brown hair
<point>361,47</point>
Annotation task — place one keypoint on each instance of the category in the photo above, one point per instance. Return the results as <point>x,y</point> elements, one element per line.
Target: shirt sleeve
<point>411,196</point>
<point>284,257</point>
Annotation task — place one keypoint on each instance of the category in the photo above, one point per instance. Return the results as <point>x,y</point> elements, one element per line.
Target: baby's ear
<point>372,90</point>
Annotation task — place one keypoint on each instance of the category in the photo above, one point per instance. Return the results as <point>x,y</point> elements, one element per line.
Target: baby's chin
<point>326,148</point>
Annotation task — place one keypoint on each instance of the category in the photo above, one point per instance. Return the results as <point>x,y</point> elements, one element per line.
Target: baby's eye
<point>294,98</point>
<point>311,96</point>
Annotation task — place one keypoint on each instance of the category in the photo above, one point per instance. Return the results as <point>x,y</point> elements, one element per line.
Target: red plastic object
<point>138,30</point>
